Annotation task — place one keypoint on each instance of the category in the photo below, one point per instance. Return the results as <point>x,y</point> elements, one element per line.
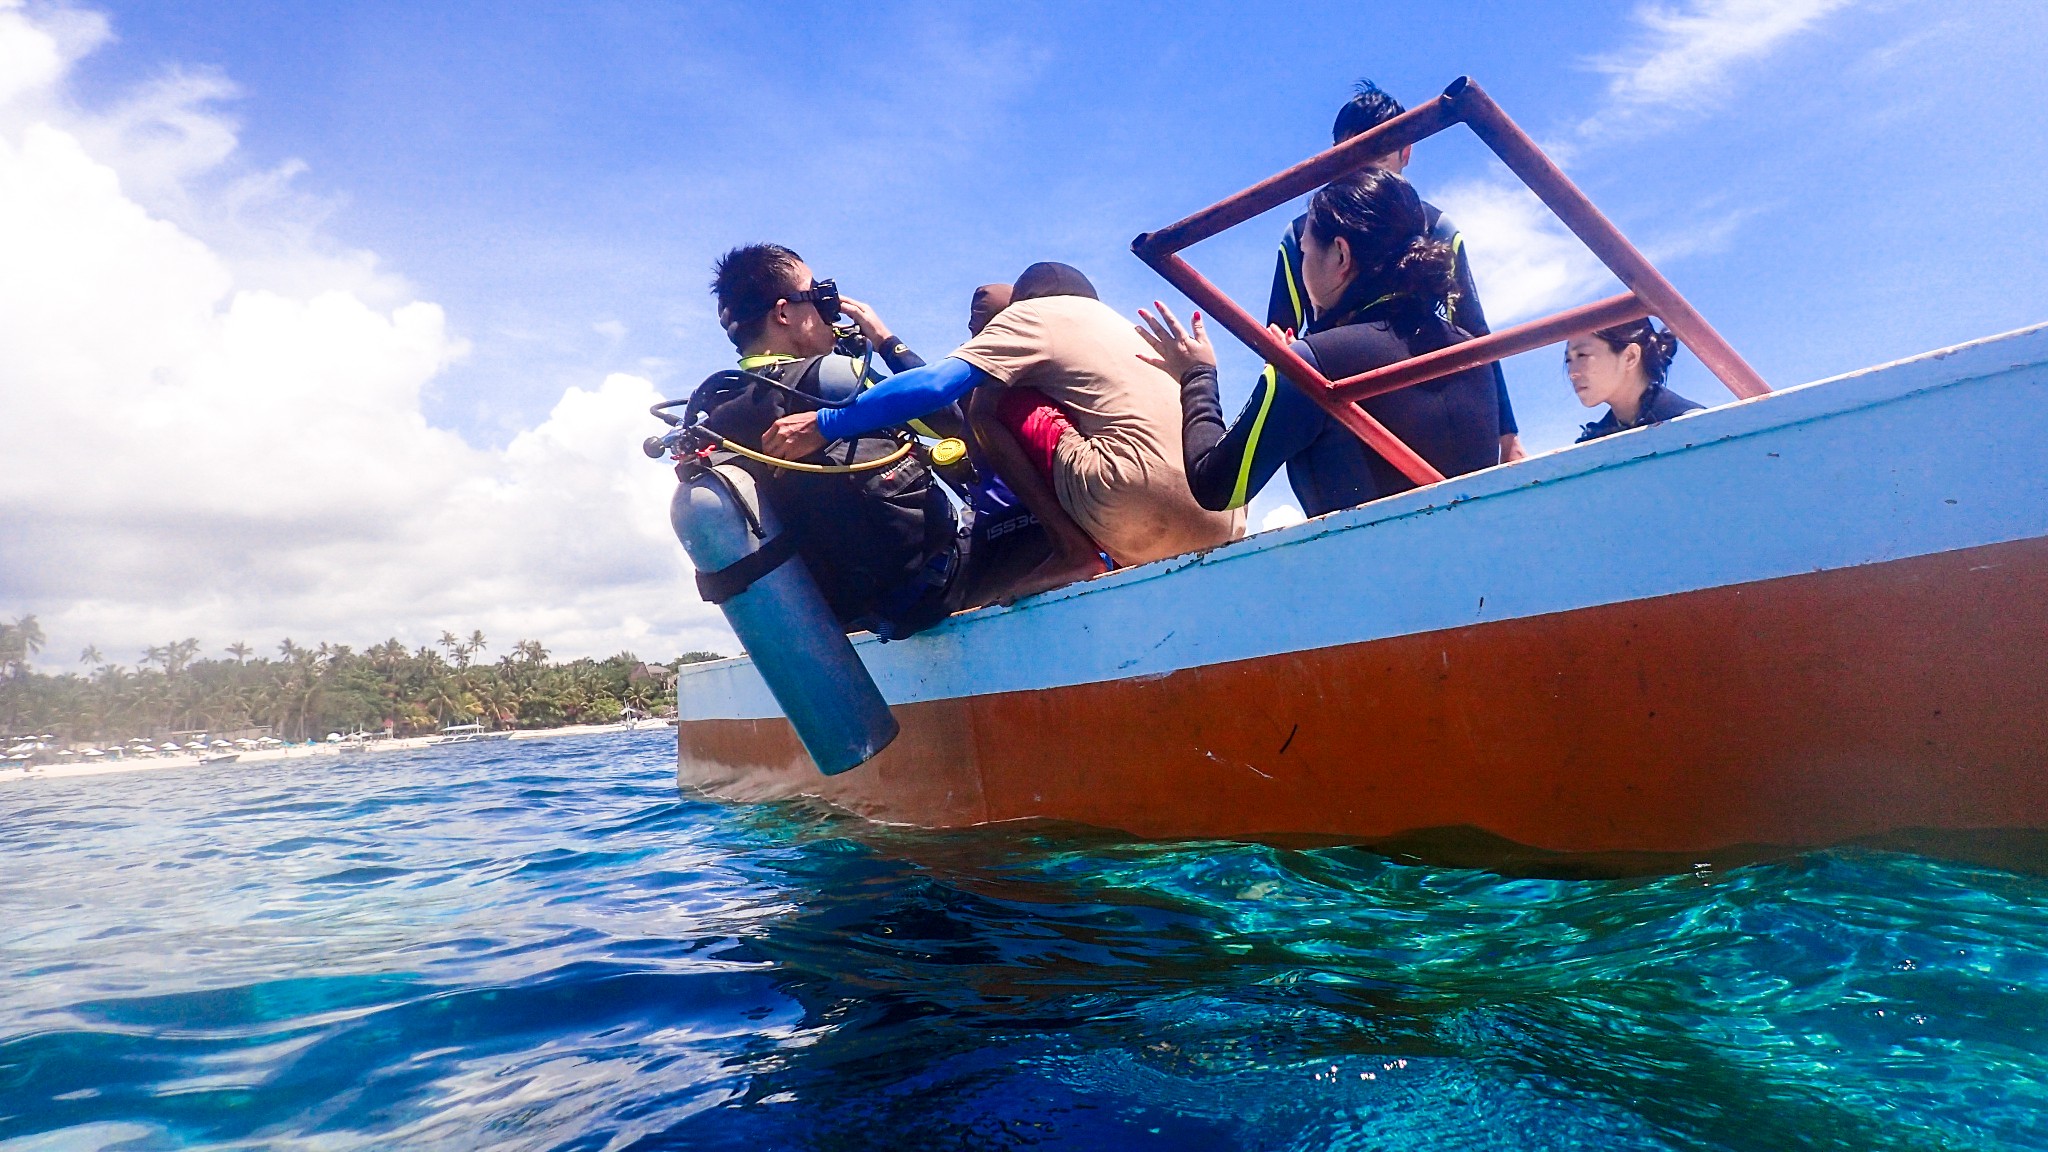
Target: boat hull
<point>1792,648</point>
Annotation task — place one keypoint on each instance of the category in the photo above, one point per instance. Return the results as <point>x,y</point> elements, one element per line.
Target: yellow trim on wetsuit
<point>764,360</point>
<point>1457,254</point>
<point>1238,497</point>
<point>924,429</point>
<point>1293,293</point>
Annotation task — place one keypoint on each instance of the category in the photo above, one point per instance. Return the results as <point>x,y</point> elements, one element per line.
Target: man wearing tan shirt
<point>1116,472</point>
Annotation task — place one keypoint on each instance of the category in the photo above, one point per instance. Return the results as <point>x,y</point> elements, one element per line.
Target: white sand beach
<point>259,756</point>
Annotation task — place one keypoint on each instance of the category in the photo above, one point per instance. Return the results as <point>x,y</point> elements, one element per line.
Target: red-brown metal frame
<point>1463,102</point>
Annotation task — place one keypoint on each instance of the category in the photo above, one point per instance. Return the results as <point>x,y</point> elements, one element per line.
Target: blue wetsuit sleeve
<point>1226,467</point>
<point>905,396</point>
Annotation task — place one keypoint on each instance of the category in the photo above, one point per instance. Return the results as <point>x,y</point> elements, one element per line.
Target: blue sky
<point>555,172</point>
<point>518,206</point>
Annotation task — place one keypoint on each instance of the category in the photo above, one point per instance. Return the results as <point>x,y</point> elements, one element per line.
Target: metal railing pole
<point>1415,124</point>
<point>1240,323</point>
<point>1486,349</point>
<point>1561,196</point>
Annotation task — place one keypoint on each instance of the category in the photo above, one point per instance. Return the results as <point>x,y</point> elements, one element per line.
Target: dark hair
<point>1368,108</point>
<point>1658,346</point>
<point>1379,215</point>
<point>748,281</point>
<point>1050,278</point>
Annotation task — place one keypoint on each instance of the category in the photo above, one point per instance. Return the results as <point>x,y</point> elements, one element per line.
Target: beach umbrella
<point>66,752</point>
<point>94,752</point>
<point>220,744</point>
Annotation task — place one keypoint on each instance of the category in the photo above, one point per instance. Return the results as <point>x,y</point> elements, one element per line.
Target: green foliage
<point>307,692</point>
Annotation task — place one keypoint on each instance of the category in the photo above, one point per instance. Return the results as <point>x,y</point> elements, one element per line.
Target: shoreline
<point>297,752</point>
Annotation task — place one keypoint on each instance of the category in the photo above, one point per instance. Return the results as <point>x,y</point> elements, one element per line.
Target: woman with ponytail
<point>1624,368</point>
<point>1381,287</point>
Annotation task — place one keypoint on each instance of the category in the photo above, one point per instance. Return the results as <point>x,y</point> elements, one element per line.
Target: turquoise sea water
<point>542,945</point>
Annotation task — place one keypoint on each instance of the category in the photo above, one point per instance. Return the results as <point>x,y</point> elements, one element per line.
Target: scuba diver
<point>1380,285</point>
<point>1288,306</point>
<point>884,522</point>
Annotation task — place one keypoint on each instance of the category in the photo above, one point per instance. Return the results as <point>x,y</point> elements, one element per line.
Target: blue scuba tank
<point>747,564</point>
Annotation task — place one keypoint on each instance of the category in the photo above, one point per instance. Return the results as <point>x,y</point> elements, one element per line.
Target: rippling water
<point>541,945</point>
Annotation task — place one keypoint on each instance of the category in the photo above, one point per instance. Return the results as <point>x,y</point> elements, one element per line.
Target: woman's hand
<point>871,325</point>
<point>794,437</point>
<point>1179,352</point>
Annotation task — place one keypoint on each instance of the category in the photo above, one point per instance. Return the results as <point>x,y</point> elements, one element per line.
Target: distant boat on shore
<point>467,734</point>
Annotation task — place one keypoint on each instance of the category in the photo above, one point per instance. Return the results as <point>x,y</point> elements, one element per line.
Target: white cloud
<point>1680,59</point>
<point>1683,54</point>
<point>1524,262</point>
<point>230,444</point>
<point>1284,516</point>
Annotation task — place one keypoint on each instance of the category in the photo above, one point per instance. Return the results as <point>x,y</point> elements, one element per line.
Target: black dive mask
<point>824,294</point>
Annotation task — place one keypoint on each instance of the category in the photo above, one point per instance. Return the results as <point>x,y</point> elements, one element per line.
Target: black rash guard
<point>1453,422</point>
<point>1288,305</point>
<point>1659,404</point>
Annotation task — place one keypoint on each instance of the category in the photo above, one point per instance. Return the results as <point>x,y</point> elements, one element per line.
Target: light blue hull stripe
<point>1932,454</point>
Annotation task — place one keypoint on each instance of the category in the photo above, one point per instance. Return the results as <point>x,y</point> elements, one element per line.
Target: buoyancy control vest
<point>883,543</point>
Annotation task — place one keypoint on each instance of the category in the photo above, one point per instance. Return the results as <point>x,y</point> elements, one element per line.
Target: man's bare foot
<point>1056,571</point>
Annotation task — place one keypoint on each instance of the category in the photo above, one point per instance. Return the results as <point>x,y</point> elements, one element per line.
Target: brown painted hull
<point>1801,711</point>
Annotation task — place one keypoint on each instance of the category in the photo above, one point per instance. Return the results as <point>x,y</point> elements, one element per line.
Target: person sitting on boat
<point>1380,284</point>
<point>1624,368</point>
<point>1018,430</point>
<point>1288,306</point>
<point>1115,469</point>
<point>882,543</point>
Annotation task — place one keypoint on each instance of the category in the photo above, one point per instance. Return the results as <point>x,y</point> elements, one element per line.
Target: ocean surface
<point>542,945</point>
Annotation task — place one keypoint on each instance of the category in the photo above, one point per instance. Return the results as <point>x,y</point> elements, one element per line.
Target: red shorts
<point>1037,423</point>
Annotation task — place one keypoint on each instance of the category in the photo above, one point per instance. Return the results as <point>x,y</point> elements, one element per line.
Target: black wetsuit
<point>1659,404</point>
<point>1289,306</point>
<point>1453,422</point>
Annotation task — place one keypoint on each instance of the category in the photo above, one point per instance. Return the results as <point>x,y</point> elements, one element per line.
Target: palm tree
<point>91,656</point>
<point>239,651</point>
<point>19,641</point>
<point>476,642</point>
<point>179,653</point>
